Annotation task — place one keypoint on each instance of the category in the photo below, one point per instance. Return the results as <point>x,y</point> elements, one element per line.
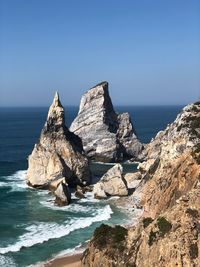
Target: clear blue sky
<point>148,50</point>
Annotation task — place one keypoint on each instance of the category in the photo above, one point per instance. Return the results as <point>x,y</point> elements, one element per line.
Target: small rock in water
<point>63,195</point>
<point>79,194</point>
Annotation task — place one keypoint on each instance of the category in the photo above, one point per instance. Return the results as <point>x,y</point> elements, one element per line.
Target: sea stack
<point>58,153</point>
<point>106,136</point>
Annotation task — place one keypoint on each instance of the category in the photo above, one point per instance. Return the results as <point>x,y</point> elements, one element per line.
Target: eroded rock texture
<point>168,235</point>
<point>106,136</point>
<point>58,153</point>
<point>111,184</point>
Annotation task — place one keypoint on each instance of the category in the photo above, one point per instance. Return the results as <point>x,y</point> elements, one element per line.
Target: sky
<point>148,50</point>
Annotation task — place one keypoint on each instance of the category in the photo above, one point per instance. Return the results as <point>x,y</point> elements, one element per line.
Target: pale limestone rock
<point>54,184</point>
<point>58,153</point>
<point>106,136</point>
<point>132,179</point>
<point>99,191</point>
<point>112,183</point>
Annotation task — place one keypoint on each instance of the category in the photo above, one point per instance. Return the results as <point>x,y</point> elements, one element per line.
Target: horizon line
<point>118,105</point>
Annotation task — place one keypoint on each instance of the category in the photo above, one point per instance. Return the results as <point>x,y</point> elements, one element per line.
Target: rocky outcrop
<point>172,162</point>
<point>58,153</point>
<point>62,194</point>
<point>111,184</point>
<point>132,180</point>
<point>172,239</point>
<point>106,136</point>
<point>168,234</point>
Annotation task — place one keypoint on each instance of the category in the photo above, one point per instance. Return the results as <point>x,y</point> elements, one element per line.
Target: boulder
<point>106,136</point>
<point>79,193</point>
<point>132,179</point>
<point>112,183</point>
<point>63,195</point>
<point>58,153</point>
<point>99,191</point>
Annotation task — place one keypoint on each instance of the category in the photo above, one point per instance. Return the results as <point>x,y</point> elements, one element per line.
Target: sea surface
<point>32,229</point>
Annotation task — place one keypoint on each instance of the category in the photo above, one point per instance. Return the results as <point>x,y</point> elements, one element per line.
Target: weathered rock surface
<point>111,184</point>
<point>170,240</point>
<point>132,179</point>
<point>172,165</point>
<point>169,235</point>
<point>106,136</point>
<point>58,153</point>
<point>63,195</point>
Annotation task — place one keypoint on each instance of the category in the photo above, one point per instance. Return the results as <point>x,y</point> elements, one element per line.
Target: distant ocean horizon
<point>32,229</point>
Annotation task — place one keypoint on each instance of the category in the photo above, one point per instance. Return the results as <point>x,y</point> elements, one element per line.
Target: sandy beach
<point>68,261</point>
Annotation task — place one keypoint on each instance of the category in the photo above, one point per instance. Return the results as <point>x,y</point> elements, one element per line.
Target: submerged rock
<point>58,153</point>
<point>106,136</point>
<point>63,195</point>
<point>111,184</point>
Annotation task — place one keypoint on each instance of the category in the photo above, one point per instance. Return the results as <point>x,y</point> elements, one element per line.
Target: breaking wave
<point>40,233</point>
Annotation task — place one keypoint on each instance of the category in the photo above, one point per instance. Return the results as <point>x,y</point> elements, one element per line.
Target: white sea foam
<point>37,234</point>
<point>3,184</point>
<point>89,198</point>
<point>16,181</point>
<point>6,261</point>
<point>75,208</point>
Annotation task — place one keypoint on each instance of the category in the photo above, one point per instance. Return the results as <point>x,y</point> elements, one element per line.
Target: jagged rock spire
<point>106,136</point>
<point>56,115</point>
<point>58,153</point>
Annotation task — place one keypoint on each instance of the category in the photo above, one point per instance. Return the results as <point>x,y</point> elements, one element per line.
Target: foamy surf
<point>16,181</point>
<point>6,261</point>
<point>40,233</point>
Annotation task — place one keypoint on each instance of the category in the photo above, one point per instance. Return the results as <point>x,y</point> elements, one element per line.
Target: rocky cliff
<point>172,239</point>
<point>168,235</point>
<point>58,153</point>
<point>106,136</point>
<point>172,162</point>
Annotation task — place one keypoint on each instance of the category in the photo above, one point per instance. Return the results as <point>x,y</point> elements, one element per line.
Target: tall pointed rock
<point>58,153</point>
<point>106,136</point>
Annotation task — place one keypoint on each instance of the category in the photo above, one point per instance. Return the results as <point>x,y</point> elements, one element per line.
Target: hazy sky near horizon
<point>148,50</point>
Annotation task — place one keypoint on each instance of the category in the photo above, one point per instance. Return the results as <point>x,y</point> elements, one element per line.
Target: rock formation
<point>172,162</point>
<point>58,153</point>
<point>170,240</point>
<point>168,234</point>
<point>106,136</point>
<point>111,184</point>
<point>63,195</point>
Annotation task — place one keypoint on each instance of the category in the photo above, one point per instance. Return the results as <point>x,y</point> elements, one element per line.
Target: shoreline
<point>65,261</point>
<point>74,260</point>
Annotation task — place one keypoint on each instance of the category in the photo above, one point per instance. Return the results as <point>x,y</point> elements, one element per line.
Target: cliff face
<point>172,239</point>
<point>58,153</point>
<point>106,136</point>
<point>168,235</point>
<point>172,165</point>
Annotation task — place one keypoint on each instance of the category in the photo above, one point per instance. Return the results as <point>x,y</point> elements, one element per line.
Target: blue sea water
<point>32,229</point>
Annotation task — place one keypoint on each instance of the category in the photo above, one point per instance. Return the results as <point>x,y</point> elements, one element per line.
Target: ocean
<point>32,229</point>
